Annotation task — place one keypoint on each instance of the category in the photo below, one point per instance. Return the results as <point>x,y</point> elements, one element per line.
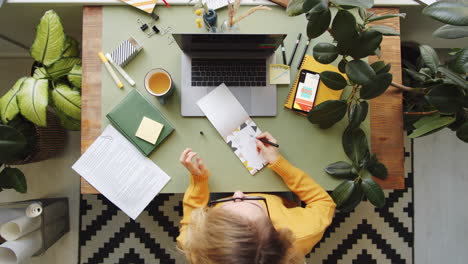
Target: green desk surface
<point>303,144</point>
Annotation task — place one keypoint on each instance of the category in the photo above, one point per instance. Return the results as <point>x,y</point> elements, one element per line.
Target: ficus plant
<point>354,39</point>
<point>436,93</point>
<point>56,81</point>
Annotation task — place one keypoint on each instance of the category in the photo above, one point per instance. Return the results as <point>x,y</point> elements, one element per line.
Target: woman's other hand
<point>196,168</point>
<point>270,153</point>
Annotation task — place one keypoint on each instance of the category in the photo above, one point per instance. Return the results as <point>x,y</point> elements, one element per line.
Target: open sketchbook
<point>117,169</point>
<point>235,126</point>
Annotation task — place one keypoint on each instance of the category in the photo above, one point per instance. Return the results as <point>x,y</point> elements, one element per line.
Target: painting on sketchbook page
<point>243,142</point>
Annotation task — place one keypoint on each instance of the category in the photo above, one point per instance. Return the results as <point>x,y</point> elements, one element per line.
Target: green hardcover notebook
<point>127,115</point>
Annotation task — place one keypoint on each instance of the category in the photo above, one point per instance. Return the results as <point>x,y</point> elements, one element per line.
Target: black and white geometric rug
<point>365,236</point>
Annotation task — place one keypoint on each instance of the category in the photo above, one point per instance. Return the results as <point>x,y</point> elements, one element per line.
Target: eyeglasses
<point>246,198</point>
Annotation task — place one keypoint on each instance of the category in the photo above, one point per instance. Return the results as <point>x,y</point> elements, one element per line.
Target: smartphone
<point>306,91</point>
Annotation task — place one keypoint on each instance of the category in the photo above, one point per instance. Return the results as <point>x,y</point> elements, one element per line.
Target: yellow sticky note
<point>279,74</point>
<point>149,130</point>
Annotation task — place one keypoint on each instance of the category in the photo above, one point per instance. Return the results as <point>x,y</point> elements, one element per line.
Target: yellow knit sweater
<point>308,224</point>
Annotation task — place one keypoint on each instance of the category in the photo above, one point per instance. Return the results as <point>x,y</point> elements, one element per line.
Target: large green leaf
<point>358,114</point>
<point>376,18</point>
<point>71,48</point>
<point>449,12</point>
<point>451,32</point>
<point>318,5</point>
<point>447,98</point>
<point>40,73</point>
<point>318,22</point>
<point>427,124</point>
<point>462,132</point>
<point>67,100</point>
<point>13,178</point>
<point>12,143</point>
<point>376,86</point>
<point>344,26</point>
<point>74,76</point>
<point>359,71</point>
<point>355,145</point>
<point>33,100</point>
<point>68,122</point>
<point>357,3</point>
<point>342,65</point>
<point>381,67</point>
<point>453,78</point>
<point>373,192</point>
<point>8,104</point>
<point>327,113</point>
<point>367,43</point>
<point>325,53</point>
<point>385,30</point>
<point>376,168</point>
<point>333,80</point>
<point>342,192</point>
<point>62,67</point>
<point>341,169</point>
<point>416,76</point>
<point>50,39</point>
<point>429,57</point>
<point>354,199</point>
<point>460,64</point>
<point>295,7</point>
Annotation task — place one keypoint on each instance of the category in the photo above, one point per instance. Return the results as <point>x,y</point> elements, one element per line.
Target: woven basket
<point>50,141</point>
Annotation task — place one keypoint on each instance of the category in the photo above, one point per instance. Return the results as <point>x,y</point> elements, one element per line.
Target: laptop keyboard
<point>232,72</point>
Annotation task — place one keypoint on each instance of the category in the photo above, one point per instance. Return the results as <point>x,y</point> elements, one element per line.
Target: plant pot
<point>50,141</point>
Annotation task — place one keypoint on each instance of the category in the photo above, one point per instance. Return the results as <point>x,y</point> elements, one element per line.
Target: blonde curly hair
<point>217,236</point>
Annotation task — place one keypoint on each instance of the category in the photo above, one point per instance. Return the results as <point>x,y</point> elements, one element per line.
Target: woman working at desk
<point>253,228</point>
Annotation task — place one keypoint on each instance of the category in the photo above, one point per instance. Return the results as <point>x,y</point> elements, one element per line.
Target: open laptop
<point>238,60</point>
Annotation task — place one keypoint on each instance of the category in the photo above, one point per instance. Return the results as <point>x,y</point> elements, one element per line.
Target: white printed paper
<point>231,120</point>
<point>121,173</point>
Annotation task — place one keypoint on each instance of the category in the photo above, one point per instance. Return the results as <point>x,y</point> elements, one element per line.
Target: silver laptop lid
<point>265,44</point>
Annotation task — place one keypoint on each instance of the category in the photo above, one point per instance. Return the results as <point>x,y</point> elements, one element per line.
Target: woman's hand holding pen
<point>197,167</point>
<point>269,152</point>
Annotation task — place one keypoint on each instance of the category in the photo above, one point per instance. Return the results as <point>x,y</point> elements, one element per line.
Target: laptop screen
<point>265,43</point>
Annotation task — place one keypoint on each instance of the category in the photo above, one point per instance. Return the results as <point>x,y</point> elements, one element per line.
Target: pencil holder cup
<point>211,20</point>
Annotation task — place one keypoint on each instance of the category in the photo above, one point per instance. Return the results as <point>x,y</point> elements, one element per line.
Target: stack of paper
<point>116,168</point>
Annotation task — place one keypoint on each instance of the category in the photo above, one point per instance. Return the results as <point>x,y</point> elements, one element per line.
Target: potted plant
<point>435,92</point>
<point>354,40</point>
<point>31,123</point>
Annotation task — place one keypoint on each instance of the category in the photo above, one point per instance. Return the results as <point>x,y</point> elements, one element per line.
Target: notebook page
<point>235,126</point>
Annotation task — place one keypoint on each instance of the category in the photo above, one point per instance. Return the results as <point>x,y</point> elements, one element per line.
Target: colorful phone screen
<point>306,91</point>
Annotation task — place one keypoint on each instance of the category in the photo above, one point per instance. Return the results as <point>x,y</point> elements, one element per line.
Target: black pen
<point>283,50</point>
<point>303,54</point>
<point>295,48</point>
<point>268,142</point>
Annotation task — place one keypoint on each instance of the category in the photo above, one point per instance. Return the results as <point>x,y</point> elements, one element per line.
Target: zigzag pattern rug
<point>365,236</point>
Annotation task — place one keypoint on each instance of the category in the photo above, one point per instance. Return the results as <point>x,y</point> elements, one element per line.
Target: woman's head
<point>237,233</point>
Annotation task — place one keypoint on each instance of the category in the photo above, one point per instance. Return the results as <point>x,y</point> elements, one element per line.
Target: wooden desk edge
<point>387,110</point>
<point>91,88</point>
<point>386,122</point>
